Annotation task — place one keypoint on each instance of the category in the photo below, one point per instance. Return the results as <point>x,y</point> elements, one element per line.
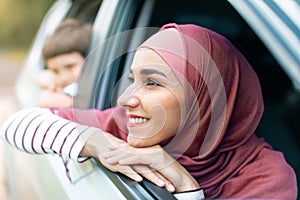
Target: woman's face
<point>66,67</point>
<point>154,101</point>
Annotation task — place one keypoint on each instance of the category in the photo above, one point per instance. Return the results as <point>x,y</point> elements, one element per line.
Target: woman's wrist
<point>188,182</point>
<point>93,144</point>
<point>98,143</point>
<point>179,176</point>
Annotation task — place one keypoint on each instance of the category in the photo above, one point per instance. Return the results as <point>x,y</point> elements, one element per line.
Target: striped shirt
<point>39,131</point>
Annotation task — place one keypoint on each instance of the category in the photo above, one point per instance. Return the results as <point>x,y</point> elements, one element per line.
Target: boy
<point>64,52</point>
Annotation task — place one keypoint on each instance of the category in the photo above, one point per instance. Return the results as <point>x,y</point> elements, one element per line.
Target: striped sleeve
<point>196,195</point>
<point>37,130</point>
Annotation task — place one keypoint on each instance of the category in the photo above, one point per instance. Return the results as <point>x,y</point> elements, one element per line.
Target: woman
<point>186,122</point>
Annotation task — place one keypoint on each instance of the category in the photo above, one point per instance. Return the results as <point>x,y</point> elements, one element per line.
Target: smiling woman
<point>153,101</point>
<point>186,122</point>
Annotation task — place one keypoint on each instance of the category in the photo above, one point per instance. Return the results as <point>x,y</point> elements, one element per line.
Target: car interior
<point>279,124</point>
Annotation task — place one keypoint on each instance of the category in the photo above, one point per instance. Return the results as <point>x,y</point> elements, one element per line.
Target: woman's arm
<point>37,130</point>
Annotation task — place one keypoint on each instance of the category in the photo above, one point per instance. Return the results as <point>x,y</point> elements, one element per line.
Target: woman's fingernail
<point>139,179</point>
<point>170,188</point>
<point>160,182</point>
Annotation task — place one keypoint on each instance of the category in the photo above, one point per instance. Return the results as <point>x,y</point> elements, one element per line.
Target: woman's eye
<point>131,80</point>
<point>152,82</point>
<point>70,66</point>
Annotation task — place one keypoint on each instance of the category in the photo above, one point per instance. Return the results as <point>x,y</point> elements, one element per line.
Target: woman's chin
<point>137,142</point>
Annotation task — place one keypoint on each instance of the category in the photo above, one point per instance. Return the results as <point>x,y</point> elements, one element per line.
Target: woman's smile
<point>135,120</point>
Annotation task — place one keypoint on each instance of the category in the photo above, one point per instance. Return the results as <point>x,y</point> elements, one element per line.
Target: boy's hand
<point>46,80</point>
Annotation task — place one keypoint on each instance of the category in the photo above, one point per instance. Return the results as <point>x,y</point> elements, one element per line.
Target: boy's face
<point>66,67</point>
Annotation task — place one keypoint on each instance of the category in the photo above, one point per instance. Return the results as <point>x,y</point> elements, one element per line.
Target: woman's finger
<point>129,172</point>
<point>168,184</point>
<point>155,177</point>
<point>126,170</point>
<point>152,176</point>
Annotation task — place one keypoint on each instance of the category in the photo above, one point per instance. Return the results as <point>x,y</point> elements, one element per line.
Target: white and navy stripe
<point>38,130</point>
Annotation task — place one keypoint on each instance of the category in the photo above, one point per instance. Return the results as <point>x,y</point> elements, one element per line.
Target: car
<point>266,32</point>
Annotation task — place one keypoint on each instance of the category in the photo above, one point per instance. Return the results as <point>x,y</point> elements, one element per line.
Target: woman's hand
<point>162,167</point>
<point>100,143</point>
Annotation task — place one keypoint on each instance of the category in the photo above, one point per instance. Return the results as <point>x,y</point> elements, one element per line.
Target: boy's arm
<point>49,99</point>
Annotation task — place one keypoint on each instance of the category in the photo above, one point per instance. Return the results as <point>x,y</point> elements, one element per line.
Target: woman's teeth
<point>137,120</point>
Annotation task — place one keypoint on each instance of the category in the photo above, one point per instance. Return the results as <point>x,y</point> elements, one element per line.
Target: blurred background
<point>19,22</point>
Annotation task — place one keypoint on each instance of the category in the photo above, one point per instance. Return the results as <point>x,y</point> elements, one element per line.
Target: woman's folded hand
<point>153,163</point>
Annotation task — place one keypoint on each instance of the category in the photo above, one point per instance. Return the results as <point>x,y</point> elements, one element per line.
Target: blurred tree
<point>19,21</point>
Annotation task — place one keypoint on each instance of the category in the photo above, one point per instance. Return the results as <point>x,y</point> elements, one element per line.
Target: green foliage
<point>19,21</point>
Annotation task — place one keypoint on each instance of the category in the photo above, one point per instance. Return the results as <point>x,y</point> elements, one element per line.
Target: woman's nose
<point>128,99</point>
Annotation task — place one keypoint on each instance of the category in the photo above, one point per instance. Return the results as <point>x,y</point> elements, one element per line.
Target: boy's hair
<point>69,36</point>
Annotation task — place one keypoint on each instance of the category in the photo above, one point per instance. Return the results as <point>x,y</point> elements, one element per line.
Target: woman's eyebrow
<point>152,71</point>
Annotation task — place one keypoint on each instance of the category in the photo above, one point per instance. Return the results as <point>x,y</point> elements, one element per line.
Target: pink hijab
<point>224,107</point>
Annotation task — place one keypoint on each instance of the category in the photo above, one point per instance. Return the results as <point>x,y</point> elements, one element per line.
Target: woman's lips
<point>135,120</point>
